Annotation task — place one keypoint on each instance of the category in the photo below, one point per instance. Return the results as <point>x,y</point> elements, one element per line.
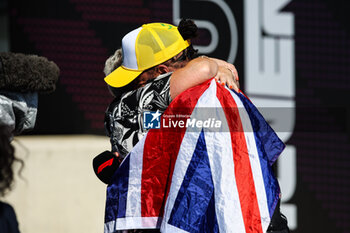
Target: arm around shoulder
<point>195,72</point>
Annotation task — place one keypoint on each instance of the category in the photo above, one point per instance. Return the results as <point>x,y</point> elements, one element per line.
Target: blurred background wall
<point>293,61</point>
<point>57,190</point>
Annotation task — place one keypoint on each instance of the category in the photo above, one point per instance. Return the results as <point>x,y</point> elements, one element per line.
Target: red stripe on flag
<point>160,153</point>
<point>243,172</point>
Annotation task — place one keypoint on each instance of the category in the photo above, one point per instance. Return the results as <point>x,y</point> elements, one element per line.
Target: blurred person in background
<point>8,220</point>
<point>22,78</point>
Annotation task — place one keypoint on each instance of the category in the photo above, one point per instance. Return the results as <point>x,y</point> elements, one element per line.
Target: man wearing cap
<point>158,63</point>
<point>155,64</point>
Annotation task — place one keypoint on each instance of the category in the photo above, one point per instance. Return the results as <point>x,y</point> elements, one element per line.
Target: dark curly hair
<point>7,159</point>
<point>189,30</point>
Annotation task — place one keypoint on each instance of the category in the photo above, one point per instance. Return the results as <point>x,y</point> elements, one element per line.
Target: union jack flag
<point>199,180</point>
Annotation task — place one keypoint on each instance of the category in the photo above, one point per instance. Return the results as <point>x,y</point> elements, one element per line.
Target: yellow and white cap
<point>145,47</point>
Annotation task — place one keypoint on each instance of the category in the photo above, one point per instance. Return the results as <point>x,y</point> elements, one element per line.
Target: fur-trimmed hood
<point>27,73</point>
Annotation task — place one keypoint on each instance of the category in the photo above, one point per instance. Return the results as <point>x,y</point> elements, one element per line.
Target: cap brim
<point>121,77</point>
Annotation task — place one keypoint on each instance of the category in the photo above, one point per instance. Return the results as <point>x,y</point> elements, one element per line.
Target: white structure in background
<point>205,24</point>
<point>270,81</point>
<point>269,74</point>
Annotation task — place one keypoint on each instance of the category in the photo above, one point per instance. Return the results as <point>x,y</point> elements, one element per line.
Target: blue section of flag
<point>117,192</point>
<point>270,144</point>
<point>194,207</point>
<point>269,147</point>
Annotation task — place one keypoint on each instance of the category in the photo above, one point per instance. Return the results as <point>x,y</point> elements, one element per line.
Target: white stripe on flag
<point>254,163</point>
<point>187,147</point>
<point>133,204</point>
<point>183,159</point>
<point>167,228</point>
<point>227,203</point>
<point>133,219</point>
<point>130,223</point>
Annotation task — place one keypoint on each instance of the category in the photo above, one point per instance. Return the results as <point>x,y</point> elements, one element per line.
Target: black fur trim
<point>27,73</point>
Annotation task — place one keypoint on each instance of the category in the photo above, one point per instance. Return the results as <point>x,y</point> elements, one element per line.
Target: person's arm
<point>200,70</point>
<point>195,72</point>
<point>227,74</point>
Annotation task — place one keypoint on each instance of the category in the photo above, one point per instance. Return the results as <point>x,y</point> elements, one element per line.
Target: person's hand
<point>226,77</point>
<point>118,157</point>
<point>227,74</point>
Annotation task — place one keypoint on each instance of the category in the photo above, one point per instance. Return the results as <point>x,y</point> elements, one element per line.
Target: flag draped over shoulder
<point>199,179</point>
